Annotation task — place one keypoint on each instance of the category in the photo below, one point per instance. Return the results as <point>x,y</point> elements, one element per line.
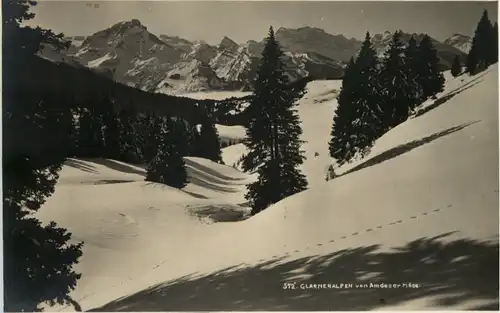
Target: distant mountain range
<point>130,54</point>
<point>461,42</point>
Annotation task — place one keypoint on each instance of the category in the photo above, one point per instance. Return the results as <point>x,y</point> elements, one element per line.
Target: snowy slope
<point>233,133</point>
<point>421,209</point>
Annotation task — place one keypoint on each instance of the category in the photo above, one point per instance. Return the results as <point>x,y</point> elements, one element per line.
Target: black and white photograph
<point>250,156</point>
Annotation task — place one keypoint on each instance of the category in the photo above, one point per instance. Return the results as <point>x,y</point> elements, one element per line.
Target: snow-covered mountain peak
<point>228,44</point>
<point>459,41</point>
<point>178,42</point>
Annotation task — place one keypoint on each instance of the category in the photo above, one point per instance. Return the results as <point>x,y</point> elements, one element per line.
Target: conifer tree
<point>340,146</point>
<point>429,77</point>
<point>414,59</point>
<point>357,118</point>
<point>72,134</point>
<point>481,54</point>
<point>183,136</point>
<point>398,89</point>
<point>273,132</point>
<point>168,166</point>
<point>111,129</point>
<point>129,140</point>
<point>90,133</point>
<point>471,62</point>
<point>143,132</point>
<point>456,68</point>
<point>152,138</point>
<point>208,141</point>
<point>37,259</point>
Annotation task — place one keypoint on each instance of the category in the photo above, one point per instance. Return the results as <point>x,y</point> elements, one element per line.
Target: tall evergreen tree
<point>208,142</point>
<point>152,138</point>
<point>129,141</point>
<point>398,89</point>
<point>429,77</point>
<point>456,67</point>
<point>414,59</point>
<point>90,133</point>
<point>37,259</point>
<point>168,166</point>
<point>357,118</point>
<point>143,132</point>
<point>273,132</point>
<point>340,146</point>
<point>471,62</point>
<point>111,129</point>
<point>183,136</point>
<point>481,54</point>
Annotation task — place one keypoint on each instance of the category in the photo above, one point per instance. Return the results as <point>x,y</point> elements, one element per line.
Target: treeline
<point>379,93</point>
<point>484,48</point>
<point>101,129</point>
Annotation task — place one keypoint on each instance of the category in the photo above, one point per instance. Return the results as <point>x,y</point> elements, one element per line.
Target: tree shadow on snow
<point>194,194</point>
<point>404,148</point>
<point>203,183</point>
<point>74,163</point>
<point>445,98</point>
<point>451,272</point>
<point>117,166</point>
<point>209,170</point>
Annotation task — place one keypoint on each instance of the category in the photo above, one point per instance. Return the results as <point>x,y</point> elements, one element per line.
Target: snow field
<point>401,214</point>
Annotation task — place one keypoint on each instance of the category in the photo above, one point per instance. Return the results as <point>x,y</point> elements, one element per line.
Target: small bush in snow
<point>330,174</point>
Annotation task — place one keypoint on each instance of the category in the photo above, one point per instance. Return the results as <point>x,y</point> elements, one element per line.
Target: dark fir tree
<point>90,133</point>
<point>129,140</point>
<point>357,120</point>
<point>111,128</point>
<point>369,99</point>
<point>456,67</point>
<point>143,132</point>
<point>414,58</point>
<point>208,142</point>
<point>430,77</point>
<point>183,136</point>
<point>273,132</point>
<point>152,138</point>
<point>398,89</point>
<point>481,54</point>
<point>340,146</point>
<point>471,62</point>
<point>37,259</point>
<point>167,167</point>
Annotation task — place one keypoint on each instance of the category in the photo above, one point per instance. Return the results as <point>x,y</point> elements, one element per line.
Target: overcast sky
<point>242,21</point>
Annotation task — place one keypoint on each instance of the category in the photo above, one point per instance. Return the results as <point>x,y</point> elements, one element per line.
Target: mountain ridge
<point>174,65</point>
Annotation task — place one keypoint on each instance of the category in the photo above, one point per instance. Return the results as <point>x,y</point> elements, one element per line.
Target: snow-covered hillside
<point>420,211</point>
